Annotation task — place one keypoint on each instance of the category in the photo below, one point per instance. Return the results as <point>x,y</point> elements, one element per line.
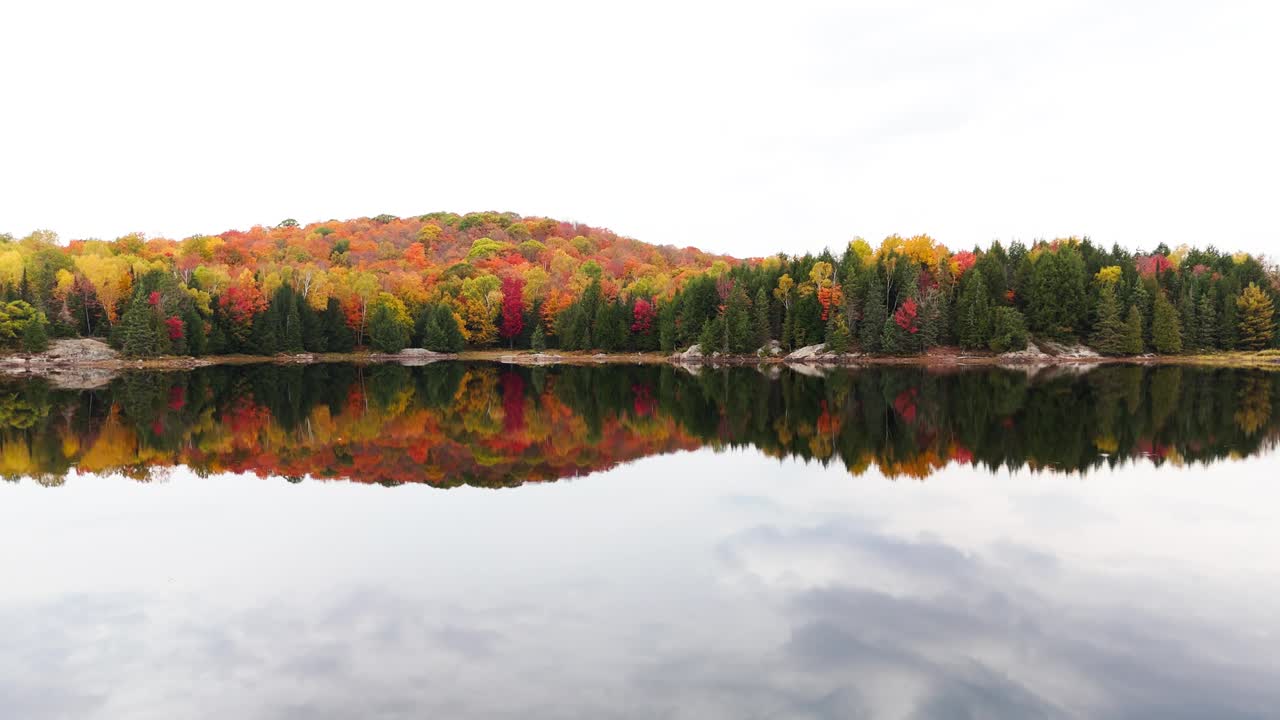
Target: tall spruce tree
<point>874,314</point>
<point>1166,329</point>
<point>973,312</point>
<point>1257,318</point>
<point>1133,342</point>
<point>1108,331</point>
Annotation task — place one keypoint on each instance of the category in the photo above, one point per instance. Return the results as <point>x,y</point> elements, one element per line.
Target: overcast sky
<point>743,128</point>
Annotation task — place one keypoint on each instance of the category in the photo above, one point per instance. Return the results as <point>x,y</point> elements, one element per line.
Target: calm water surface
<point>485,541</point>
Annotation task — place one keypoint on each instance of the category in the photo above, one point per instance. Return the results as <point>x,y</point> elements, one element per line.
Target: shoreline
<point>39,366</point>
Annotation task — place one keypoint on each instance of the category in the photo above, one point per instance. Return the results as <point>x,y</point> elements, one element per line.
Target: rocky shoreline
<point>87,363</point>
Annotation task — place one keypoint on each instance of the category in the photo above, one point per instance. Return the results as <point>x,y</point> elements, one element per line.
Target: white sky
<point>743,127</point>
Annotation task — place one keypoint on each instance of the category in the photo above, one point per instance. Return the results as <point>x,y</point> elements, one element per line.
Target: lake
<point>491,541</point>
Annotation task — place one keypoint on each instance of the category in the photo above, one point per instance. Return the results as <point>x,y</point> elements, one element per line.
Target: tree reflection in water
<point>494,425</point>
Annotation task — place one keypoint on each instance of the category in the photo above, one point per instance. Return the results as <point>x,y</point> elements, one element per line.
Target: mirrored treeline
<point>495,425</point>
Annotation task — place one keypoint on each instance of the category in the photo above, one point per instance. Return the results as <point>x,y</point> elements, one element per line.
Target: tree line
<point>448,282</point>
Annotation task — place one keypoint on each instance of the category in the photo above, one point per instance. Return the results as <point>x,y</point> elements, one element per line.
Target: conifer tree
<point>338,335</point>
<point>874,314</point>
<point>193,326</point>
<point>1206,323</point>
<point>1133,343</point>
<point>1257,318</point>
<point>760,311</point>
<point>739,335</point>
<point>1008,330</point>
<point>1108,331</point>
<point>667,327</point>
<point>139,331</point>
<point>838,337</point>
<point>1187,318</point>
<point>292,341</point>
<point>35,336</point>
<point>538,340</point>
<point>1166,330</point>
<point>973,314</point>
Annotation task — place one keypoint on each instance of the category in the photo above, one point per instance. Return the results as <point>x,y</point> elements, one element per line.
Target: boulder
<point>808,352</point>
<point>79,350</point>
<point>693,354</point>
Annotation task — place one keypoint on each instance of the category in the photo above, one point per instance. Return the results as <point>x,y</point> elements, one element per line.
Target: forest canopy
<point>447,282</point>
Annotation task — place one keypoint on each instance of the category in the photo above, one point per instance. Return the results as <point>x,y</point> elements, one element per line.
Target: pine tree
<point>1142,301</point>
<point>1133,343</point>
<point>1187,318</point>
<point>442,333</point>
<point>193,330</point>
<point>760,312</point>
<point>338,335</point>
<point>292,327</point>
<point>538,340</point>
<point>313,339</point>
<point>1166,330</point>
<point>1206,322</point>
<point>35,335</point>
<point>1229,322</point>
<point>932,318</point>
<point>973,313</point>
<point>711,337</point>
<point>139,331</point>
<point>1108,331</point>
<point>667,327</point>
<point>390,327</point>
<point>874,315</point>
<point>1257,318</point>
<point>1008,330</point>
<point>739,334</point>
<point>838,336</point>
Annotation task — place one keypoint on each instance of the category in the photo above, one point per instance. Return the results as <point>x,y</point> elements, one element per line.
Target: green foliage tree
<point>1166,329</point>
<point>1008,330</point>
<point>390,327</point>
<point>874,314</point>
<point>1108,332</point>
<point>839,339</point>
<point>538,340</point>
<point>1257,318</point>
<point>973,312</point>
<point>35,334</point>
<point>140,333</point>
<point>1133,342</point>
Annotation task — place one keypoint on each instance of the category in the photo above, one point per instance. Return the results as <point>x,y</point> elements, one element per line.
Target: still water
<point>488,541</point>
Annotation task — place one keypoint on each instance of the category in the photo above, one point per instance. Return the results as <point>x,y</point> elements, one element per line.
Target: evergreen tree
<point>1142,301</point>
<point>139,330</point>
<point>838,336</point>
<point>874,314</point>
<point>443,333</point>
<point>1206,323</point>
<point>35,335</point>
<point>1229,322</point>
<point>711,337</point>
<point>739,335</point>
<point>1187,319</point>
<point>390,327</point>
<point>338,335</point>
<point>760,312</point>
<point>193,330</point>
<point>973,313</point>
<point>1008,330</point>
<point>667,327</point>
<point>538,340</point>
<point>1166,330</point>
<point>1257,318</point>
<point>1108,331</point>
<point>1133,343</point>
<point>313,338</point>
<point>292,341</point>
<point>932,318</point>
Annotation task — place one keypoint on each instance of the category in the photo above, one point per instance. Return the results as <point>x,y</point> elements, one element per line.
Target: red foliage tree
<point>643,315</point>
<point>174,324</point>
<point>906,316</point>
<point>512,307</point>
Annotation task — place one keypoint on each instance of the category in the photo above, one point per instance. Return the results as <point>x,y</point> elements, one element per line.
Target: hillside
<point>448,282</point>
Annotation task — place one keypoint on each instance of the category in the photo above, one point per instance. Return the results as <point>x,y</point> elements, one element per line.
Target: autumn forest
<point>448,282</point>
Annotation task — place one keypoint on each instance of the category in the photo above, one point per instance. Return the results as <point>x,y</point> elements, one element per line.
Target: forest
<point>494,425</point>
<point>448,282</point>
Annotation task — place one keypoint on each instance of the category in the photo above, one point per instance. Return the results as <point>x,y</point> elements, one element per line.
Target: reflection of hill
<point>487,425</point>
